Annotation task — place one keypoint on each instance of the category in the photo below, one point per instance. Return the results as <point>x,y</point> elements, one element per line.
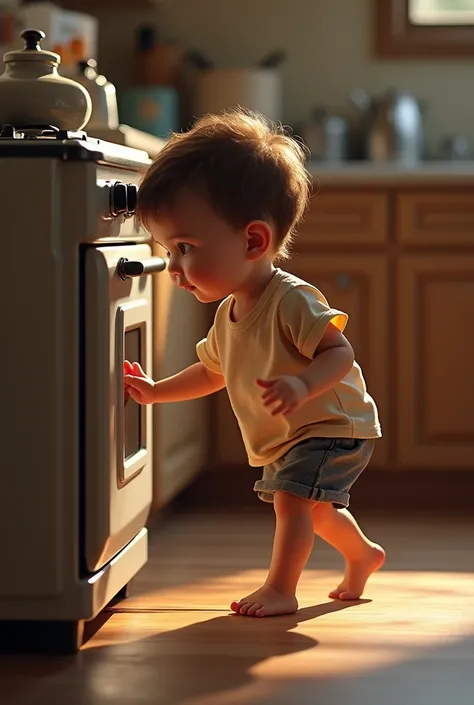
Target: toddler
<point>224,200</point>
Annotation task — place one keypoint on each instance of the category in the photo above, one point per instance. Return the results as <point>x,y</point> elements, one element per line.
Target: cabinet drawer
<point>347,218</point>
<point>430,219</point>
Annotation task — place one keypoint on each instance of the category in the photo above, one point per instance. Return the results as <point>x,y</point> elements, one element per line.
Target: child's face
<point>207,256</point>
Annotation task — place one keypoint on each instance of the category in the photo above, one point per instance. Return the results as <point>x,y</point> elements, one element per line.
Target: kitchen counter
<point>433,172</point>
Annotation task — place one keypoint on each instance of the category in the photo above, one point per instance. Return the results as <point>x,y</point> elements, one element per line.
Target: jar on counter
<point>326,136</point>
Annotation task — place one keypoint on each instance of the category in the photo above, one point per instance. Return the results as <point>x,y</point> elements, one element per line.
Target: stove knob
<point>8,132</point>
<point>132,197</point>
<point>118,200</point>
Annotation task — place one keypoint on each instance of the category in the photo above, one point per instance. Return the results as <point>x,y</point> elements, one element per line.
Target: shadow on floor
<point>179,667</point>
<point>168,668</point>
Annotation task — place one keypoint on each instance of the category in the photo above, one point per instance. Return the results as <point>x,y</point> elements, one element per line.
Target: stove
<point>77,462</point>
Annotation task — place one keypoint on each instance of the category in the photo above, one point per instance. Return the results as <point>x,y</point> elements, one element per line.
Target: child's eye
<point>183,247</point>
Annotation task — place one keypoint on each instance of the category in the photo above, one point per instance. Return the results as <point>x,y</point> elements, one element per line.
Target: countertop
<point>362,173</point>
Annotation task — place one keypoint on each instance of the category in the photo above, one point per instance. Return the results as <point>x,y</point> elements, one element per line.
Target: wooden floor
<point>411,641</point>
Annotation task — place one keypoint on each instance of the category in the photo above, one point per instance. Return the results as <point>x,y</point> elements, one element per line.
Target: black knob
<point>7,131</point>
<point>132,198</point>
<point>33,39</point>
<point>127,268</point>
<point>118,204</point>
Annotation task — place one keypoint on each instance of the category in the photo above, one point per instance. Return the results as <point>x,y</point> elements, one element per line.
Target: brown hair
<point>248,167</point>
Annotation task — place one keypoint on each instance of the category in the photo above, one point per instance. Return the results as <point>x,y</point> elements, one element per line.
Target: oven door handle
<point>135,268</point>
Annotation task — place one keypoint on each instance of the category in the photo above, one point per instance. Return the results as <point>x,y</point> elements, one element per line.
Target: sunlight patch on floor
<point>217,592</point>
<point>402,613</point>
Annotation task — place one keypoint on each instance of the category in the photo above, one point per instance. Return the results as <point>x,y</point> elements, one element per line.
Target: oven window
<point>132,415</point>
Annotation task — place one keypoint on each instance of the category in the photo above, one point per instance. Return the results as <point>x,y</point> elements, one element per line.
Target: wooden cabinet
<point>358,285</point>
<point>431,218</point>
<point>227,445</point>
<point>345,218</point>
<point>435,361</point>
<point>407,283</point>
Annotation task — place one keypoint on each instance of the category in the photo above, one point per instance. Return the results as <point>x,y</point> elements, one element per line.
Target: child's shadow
<point>214,656</point>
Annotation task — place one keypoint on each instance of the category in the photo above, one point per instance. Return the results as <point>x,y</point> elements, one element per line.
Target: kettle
<point>103,95</point>
<point>392,126</point>
<point>32,92</point>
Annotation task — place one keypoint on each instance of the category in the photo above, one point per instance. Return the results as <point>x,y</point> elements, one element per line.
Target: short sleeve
<point>208,352</point>
<point>304,315</point>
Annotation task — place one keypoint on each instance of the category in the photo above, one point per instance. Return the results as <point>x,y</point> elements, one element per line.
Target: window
<point>424,28</point>
<point>441,12</point>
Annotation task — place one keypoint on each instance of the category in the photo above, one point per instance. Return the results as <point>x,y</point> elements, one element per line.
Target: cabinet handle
<point>343,281</point>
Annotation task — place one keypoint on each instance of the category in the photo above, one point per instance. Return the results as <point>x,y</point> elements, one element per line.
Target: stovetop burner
<point>49,141</point>
<point>35,132</point>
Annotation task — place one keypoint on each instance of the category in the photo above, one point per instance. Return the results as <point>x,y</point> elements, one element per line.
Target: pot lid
<point>32,50</point>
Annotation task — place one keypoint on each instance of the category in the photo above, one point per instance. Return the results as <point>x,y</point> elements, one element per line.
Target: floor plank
<point>410,640</point>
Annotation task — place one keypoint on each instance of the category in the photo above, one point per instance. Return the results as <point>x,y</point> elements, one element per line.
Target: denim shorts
<point>321,469</point>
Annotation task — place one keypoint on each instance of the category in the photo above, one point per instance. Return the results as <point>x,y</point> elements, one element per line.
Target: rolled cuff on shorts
<point>266,489</point>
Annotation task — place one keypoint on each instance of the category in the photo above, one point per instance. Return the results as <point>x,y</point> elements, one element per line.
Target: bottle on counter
<point>153,103</point>
<point>326,136</point>
<point>157,62</point>
<point>71,53</point>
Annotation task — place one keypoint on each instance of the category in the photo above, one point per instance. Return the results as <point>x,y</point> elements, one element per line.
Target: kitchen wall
<point>328,46</point>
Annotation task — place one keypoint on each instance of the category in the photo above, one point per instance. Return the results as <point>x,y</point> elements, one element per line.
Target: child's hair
<point>248,167</point>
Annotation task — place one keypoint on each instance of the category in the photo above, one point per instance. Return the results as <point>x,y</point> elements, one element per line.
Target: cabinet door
<point>227,446</point>
<point>358,285</point>
<point>435,346</point>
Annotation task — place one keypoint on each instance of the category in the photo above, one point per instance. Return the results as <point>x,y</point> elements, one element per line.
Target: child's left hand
<point>289,392</point>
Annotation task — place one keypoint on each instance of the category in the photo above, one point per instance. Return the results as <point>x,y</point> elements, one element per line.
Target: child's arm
<point>191,383</point>
<point>333,360</point>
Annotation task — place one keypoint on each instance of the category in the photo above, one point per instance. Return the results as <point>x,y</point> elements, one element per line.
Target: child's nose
<point>174,267</point>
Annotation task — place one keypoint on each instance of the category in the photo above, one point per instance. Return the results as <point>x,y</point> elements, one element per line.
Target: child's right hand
<point>138,385</point>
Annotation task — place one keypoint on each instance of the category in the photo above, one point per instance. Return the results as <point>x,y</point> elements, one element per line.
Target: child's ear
<point>259,239</point>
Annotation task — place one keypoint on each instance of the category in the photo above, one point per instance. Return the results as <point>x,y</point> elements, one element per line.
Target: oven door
<point>117,458</point>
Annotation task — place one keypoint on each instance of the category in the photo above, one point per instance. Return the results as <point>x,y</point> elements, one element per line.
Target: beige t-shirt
<point>279,336</point>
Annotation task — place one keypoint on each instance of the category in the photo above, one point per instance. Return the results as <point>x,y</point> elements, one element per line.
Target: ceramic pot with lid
<point>32,92</point>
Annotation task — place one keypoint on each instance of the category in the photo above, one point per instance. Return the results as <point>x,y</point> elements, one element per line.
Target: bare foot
<point>265,602</point>
<point>357,574</point>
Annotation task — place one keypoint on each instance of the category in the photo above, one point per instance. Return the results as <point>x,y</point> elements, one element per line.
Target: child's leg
<point>292,545</point>
<point>339,528</point>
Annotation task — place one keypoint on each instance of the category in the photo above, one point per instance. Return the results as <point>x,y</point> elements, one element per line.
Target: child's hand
<point>137,384</point>
<point>288,391</point>
<point>127,370</point>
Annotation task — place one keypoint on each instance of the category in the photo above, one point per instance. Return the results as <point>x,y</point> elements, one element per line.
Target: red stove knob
<point>118,199</point>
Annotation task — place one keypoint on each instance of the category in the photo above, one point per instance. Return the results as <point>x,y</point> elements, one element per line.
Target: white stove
<point>77,456</point>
